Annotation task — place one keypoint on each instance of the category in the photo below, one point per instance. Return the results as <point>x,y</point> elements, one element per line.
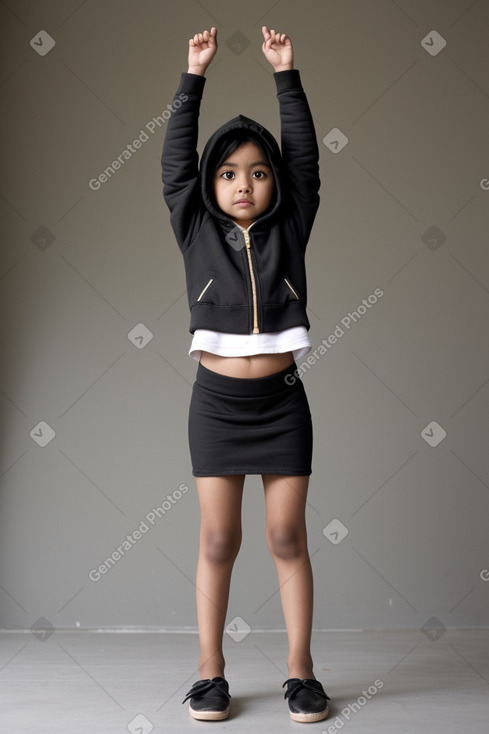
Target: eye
<point>259,174</point>
<point>228,175</point>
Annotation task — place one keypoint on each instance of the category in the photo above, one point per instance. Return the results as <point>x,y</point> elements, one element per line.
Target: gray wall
<point>404,210</point>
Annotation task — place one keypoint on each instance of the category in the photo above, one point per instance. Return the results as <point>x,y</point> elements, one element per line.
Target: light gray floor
<point>75,682</point>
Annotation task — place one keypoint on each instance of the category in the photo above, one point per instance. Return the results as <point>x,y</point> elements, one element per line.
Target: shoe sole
<point>209,715</point>
<point>306,718</point>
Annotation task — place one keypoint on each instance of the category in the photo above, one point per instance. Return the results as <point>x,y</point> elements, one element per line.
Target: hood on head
<point>239,126</point>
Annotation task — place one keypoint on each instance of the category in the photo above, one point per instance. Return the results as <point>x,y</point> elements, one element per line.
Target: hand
<point>202,49</point>
<point>277,48</point>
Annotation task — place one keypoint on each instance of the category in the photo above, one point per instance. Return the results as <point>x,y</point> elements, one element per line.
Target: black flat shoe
<point>307,699</point>
<point>209,699</point>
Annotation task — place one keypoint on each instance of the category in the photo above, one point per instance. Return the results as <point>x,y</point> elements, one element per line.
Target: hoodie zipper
<point>256,330</point>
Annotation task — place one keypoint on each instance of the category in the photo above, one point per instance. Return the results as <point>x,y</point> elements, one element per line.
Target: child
<point>242,223</point>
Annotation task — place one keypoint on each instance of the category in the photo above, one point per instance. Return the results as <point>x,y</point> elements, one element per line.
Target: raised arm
<point>179,160</point>
<point>299,146</point>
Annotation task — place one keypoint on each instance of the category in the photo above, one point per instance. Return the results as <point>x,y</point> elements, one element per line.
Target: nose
<point>244,185</point>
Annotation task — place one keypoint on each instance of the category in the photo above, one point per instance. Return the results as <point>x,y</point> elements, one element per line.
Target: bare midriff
<point>256,365</point>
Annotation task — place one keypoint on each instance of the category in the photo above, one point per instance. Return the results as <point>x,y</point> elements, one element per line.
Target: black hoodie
<point>243,281</point>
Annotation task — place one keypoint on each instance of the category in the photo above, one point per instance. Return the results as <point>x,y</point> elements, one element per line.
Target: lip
<point>243,202</point>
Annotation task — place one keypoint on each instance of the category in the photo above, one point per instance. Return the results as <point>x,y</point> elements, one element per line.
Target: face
<point>243,185</point>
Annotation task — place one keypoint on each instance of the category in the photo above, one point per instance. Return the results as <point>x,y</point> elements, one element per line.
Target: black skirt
<point>249,426</point>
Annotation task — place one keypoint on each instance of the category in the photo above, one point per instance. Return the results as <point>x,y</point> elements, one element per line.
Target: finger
<point>213,32</point>
<point>205,36</point>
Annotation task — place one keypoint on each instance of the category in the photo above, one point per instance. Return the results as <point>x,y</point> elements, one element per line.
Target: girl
<point>242,223</point>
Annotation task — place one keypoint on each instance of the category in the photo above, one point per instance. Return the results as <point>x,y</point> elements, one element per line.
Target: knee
<point>286,542</point>
<point>220,546</point>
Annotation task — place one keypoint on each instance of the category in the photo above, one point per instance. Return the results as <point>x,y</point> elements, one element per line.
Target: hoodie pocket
<point>205,289</point>
<point>291,288</point>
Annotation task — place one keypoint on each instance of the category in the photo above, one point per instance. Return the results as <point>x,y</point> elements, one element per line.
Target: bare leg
<point>220,539</point>
<point>286,534</point>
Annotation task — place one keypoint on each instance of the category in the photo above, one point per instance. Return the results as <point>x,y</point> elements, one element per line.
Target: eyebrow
<point>251,165</point>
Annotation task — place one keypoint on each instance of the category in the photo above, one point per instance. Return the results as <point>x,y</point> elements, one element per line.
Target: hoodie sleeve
<point>180,161</point>
<point>300,152</point>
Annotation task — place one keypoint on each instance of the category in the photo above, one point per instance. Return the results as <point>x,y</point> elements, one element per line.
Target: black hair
<point>231,144</point>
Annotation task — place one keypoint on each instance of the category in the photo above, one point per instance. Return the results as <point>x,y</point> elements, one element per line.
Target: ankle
<point>211,673</point>
<point>212,669</point>
<point>301,673</point>
<point>300,669</point>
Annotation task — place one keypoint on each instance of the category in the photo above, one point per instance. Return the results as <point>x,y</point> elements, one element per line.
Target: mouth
<point>243,202</point>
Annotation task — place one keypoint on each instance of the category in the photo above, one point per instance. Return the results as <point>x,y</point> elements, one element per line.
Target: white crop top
<point>295,340</point>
